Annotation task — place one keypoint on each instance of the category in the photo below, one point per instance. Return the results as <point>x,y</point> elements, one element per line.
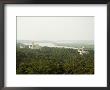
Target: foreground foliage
<point>53,61</point>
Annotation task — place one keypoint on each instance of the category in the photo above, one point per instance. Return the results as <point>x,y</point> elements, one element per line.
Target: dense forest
<point>53,60</point>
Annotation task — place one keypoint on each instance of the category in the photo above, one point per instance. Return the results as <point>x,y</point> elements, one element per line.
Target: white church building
<point>81,51</point>
<point>32,45</point>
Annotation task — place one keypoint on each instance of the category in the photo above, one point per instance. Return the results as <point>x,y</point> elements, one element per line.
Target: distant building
<point>30,45</point>
<point>82,51</point>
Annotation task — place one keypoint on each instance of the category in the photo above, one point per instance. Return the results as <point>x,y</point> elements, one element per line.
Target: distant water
<point>47,44</point>
<point>53,45</point>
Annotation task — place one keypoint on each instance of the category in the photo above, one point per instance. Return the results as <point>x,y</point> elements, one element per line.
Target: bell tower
<point>32,44</point>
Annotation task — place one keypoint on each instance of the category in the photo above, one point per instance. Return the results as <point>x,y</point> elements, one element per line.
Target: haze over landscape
<point>55,45</point>
<point>55,28</point>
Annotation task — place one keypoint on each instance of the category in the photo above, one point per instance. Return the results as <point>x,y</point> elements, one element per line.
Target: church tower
<point>33,45</point>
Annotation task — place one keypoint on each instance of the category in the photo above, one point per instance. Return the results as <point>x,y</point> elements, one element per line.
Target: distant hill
<point>62,43</point>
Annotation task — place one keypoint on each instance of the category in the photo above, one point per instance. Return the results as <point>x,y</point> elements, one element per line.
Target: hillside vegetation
<point>53,61</point>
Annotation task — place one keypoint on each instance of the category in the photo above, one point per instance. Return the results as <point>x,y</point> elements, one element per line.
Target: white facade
<point>30,45</point>
<point>82,51</point>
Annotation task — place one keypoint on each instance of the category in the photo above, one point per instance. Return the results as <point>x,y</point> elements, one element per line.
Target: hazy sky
<point>55,28</point>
